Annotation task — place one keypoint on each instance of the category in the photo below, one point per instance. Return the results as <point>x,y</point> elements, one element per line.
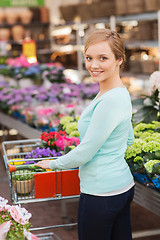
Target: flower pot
<point>23,187</point>
<point>44,14</point>
<point>4,34</point>
<point>11,15</point>
<point>2,15</point>
<point>25,16</point>
<point>17,32</point>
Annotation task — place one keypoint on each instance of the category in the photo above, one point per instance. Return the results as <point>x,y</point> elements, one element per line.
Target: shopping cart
<point>28,186</point>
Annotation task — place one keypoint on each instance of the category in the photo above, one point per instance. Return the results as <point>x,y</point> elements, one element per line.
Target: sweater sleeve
<point>106,116</point>
<point>130,140</point>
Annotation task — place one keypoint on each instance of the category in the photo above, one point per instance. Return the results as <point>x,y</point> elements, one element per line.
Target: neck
<point>109,84</point>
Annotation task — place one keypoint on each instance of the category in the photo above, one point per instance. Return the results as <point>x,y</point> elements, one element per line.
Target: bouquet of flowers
<point>14,222</point>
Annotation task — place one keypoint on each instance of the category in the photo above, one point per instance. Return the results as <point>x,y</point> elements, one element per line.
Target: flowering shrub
<point>145,130</point>
<point>143,156</point>
<point>54,74</point>
<point>40,107</point>
<point>58,140</point>
<point>149,106</point>
<point>69,124</point>
<point>13,221</point>
<point>19,68</point>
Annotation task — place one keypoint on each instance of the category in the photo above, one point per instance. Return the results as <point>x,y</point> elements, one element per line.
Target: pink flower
<point>45,112</point>
<point>4,228</point>
<point>18,62</point>
<point>75,140</point>
<point>4,207</point>
<point>20,215</point>
<point>60,144</point>
<point>70,106</point>
<point>29,235</point>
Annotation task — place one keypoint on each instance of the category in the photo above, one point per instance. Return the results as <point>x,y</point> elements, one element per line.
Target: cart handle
<point>12,168</point>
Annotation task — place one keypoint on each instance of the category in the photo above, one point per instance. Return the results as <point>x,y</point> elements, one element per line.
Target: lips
<point>96,73</point>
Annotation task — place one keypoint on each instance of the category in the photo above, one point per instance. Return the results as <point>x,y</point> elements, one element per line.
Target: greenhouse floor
<point>50,213</point>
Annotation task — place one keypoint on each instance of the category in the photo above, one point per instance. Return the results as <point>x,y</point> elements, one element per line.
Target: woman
<point>106,183</point>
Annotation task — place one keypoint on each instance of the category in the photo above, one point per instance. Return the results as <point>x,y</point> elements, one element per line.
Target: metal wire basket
<point>30,186</point>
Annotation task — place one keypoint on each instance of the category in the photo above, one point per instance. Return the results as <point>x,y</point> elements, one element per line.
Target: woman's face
<point>101,62</point>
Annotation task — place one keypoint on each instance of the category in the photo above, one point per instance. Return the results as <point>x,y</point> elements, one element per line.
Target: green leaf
<point>145,114</point>
<point>138,103</point>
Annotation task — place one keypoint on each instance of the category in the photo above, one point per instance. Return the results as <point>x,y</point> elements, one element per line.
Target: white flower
<point>26,215</point>
<point>66,90</point>
<point>147,102</point>
<point>4,207</point>
<point>154,81</point>
<point>3,201</point>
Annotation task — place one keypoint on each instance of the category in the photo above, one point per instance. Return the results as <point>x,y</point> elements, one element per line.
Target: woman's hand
<point>43,164</point>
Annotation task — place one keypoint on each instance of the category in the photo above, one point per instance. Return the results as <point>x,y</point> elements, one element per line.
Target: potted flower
<point>23,181</point>
<point>143,156</point>
<point>14,222</point>
<point>58,140</point>
<point>148,107</point>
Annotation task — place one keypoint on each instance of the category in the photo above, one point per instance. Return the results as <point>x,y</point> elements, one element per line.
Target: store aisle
<point>49,213</point>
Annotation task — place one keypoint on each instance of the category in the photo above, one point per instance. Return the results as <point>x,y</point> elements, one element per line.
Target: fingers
<point>43,164</point>
<point>39,164</point>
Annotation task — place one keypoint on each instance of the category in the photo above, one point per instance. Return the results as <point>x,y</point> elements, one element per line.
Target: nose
<point>94,64</point>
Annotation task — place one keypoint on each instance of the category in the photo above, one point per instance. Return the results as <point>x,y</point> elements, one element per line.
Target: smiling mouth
<point>96,73</point>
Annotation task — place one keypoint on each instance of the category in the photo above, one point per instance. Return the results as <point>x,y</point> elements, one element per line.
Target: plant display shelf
<point>147,198</point>
<point>22,128</point>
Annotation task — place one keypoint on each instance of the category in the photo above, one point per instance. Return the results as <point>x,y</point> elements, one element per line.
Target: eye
<point>103,58</point>
<point>88,58</point>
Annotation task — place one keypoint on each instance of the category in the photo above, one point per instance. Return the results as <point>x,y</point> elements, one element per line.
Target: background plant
<point>148,106</point>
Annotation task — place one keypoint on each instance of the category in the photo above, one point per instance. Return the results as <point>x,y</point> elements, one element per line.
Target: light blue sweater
<point>105,131</point>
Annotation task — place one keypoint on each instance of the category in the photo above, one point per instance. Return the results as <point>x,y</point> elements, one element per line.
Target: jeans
<point>105,217</point>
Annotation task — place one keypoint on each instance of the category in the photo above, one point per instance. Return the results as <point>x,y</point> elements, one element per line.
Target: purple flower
<point>42,152</point>
<point>29,162</point>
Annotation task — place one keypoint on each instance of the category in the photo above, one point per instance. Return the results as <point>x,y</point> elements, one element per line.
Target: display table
<point>22,128</point>
<point>147,198</point>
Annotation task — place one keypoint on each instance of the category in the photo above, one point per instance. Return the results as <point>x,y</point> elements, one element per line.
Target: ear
<point>120,61</point>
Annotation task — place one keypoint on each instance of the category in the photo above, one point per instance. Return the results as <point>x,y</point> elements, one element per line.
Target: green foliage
<point>143,156</point>
<point>148,108</point>
<point>74,134</point>
<point>149,165</point>
<point>22,175</point>
<point>69,125</point>
<point>135,149</point>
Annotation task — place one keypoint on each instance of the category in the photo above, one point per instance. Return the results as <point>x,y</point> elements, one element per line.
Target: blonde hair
<point>114,40</point>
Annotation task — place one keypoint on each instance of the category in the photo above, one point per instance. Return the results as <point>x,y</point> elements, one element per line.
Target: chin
<point>97,80</point>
